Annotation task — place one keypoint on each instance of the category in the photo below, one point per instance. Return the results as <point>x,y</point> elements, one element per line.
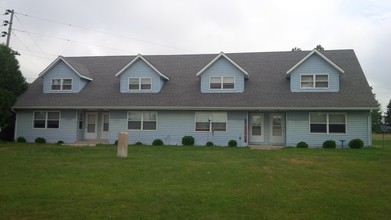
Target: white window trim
<point>46,120</point>
<point>139,83</point>
<point>78,121</point>
<point>61,85</point>
<point>210,123</point>
<point>327,123</point>
<point>142,121</point>
<point>314,80</point>
<point>221,82</point>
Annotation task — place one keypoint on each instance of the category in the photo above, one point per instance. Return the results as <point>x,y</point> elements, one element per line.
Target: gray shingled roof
<point>267,87</point>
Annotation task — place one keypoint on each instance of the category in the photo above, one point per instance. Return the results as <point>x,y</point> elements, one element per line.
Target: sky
<point>45,29</point>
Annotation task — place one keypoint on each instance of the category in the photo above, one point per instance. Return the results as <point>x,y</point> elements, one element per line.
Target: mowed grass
<point>62,182</point>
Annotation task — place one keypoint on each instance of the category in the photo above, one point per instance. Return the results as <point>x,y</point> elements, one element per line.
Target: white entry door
<point>105,126</point>
<point>277,128</point>
<point>90,131</point>
<point>256,128</point>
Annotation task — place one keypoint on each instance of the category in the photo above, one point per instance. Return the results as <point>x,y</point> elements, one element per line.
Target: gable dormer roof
<point>221,54</point>
<point>139,56</point>
<point>315,51</point>
<point>79,69</point>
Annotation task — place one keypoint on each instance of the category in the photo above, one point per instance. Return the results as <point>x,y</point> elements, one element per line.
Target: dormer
<point>315,73</point>
<point>65,76</point>
<point>222,75</point>
<point>140,76</point>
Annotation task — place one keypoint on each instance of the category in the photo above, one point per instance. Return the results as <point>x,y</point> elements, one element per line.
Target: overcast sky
<point>44,29</point>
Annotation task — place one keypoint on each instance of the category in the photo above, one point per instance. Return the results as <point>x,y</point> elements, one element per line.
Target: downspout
<point>16,122</point>
<point>370,128</point>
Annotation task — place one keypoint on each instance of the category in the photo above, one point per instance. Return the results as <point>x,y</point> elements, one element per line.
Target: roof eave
<point>221,54</point>
<point>61,58</point>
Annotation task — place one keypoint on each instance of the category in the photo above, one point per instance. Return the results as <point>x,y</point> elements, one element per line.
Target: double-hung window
<point>328,123</point>
<point>221,82</point>
<point>142,120</point>
<point>46,120</point>
<point>61,85</point>
<point>210,121</point>
<point>140,83</point>
<point>314,81</point>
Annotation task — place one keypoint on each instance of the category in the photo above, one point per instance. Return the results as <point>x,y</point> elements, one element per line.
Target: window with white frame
<point>61,85</point>
<point>81,120</point>
<point>46,119</point>
<point>142,120</point>
<point>140,83</point>
<point>328,123</point>
<point>221,82</point>
<point>210,121</point>
<point>314,81</point>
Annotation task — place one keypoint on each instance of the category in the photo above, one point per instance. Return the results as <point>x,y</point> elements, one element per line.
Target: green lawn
<point>60,182</point>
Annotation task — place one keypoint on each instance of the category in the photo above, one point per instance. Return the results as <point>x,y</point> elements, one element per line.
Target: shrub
<point>60,142</point>
<point>209,144</point>
<point>116,142</point>
<point>138,143</point>
<point>40,140</point>
<point>232,143</point>
<point>356,143</point>
<point>329,144</point>
<point>302,144</point>
<point>157,142</point>
<point>21,140</point>
<point>188,140</point>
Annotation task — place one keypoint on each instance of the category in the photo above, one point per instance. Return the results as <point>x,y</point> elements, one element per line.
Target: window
<point>46,120</point>
<point>222,82</point>
<point>61,85</point>
<point>314,81</point>
<point>210,121</point>
<point>138,120</point>
<point>81,120</point>
<point>328,123</point>
<point>140,83</point>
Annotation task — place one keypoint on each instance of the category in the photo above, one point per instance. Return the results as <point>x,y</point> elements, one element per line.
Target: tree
<point>387,117</point>
<point>376,116</point>
<point>319,47</point>
<point>296,49</point>
<point>12,84</point>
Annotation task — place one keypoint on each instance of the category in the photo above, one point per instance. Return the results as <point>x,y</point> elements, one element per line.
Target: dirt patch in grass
<point>300,161</point>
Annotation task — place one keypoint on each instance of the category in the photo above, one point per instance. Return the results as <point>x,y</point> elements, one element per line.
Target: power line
<point>74,41</point>
<point>103,32</point>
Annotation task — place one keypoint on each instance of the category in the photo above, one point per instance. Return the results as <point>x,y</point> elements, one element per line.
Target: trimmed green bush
<point>232,143</point>
<point>60,142</point>
<point>116,142</point>
<point>188,140</point>
<point>356,143</point>
<point>40,140</point>
<point>209,144</point>
<point>138,143</point>
<point>302,144</point>
<point>21,139</point>
<point>157,142</point>
<point>329,144</point>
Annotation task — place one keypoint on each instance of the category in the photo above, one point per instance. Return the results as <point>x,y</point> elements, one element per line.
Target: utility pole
<point>5,23</point>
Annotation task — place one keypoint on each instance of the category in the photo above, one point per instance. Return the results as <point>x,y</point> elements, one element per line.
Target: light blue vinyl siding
<point>66,132</point>
<point>222,67</point>
<point>140,69</point>
<point>315,65</point>
<point>173,125</point>
<point>62,71</point>
<point>297,129</point>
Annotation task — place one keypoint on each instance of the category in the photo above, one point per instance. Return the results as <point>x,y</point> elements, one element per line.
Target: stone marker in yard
<point>122,150</point>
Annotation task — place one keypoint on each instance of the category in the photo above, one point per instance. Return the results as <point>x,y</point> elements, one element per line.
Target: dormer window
<point>140,83</point>
<point>222,82</point>
<point>61,85</point>
<point>314,81</point>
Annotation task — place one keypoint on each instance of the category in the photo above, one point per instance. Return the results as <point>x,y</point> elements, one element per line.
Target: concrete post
<point>122,150</point>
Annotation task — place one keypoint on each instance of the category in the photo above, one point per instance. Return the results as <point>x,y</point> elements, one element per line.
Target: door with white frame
<point>277,128</point>
<point>256,128</point>
<point>91,129</point>
<point>104,134</point>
